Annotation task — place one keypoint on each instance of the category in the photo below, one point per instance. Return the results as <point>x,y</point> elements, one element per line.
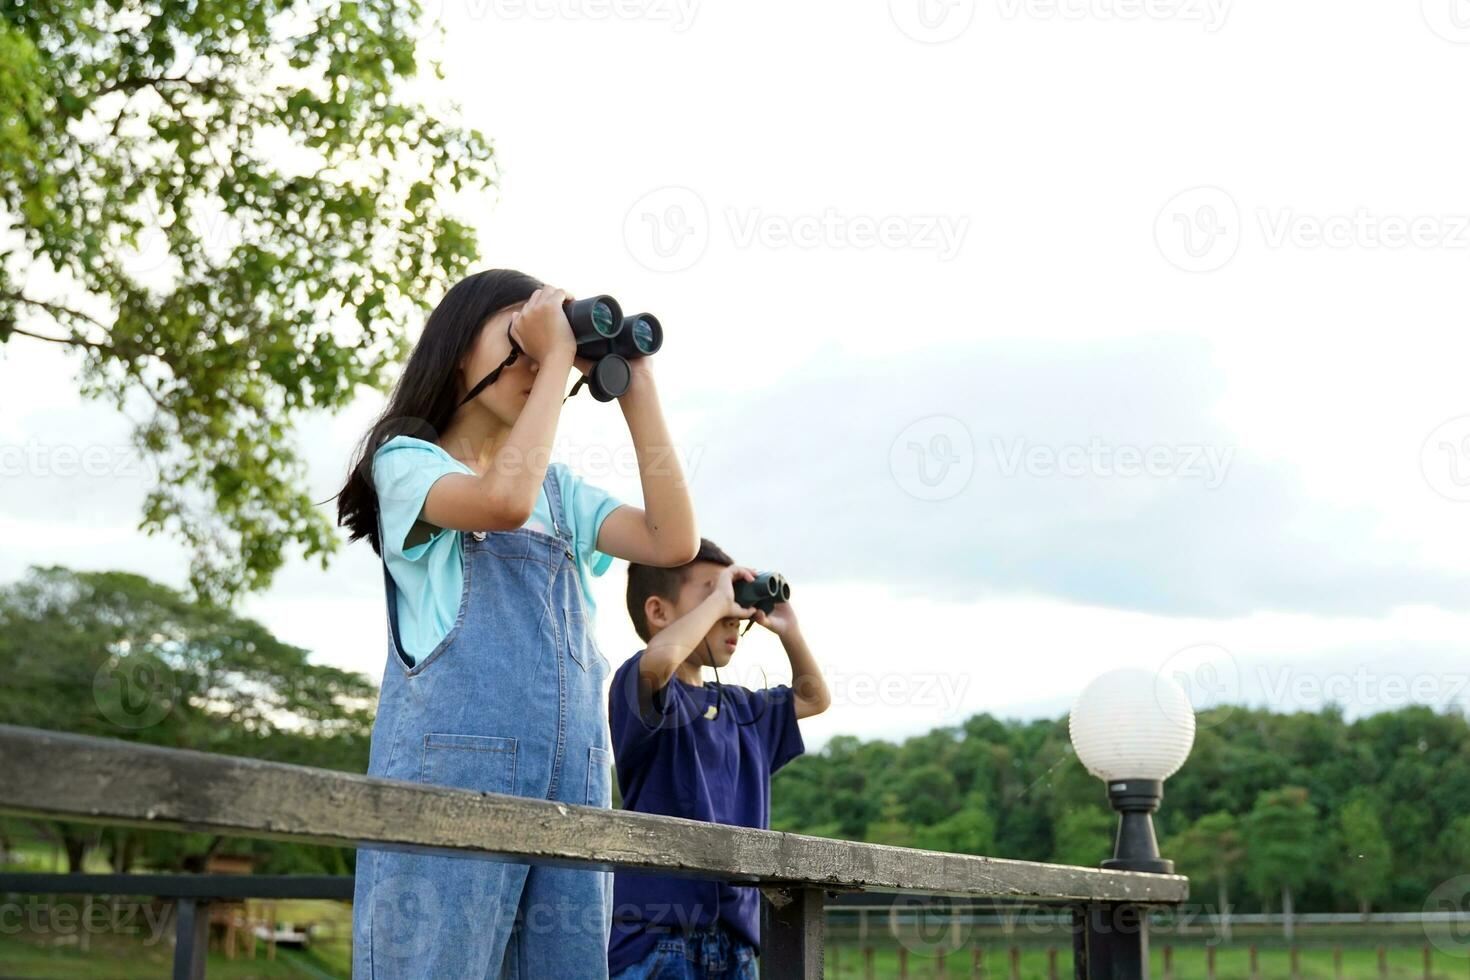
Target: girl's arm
<point>502,498</point>
<point>664,534</point>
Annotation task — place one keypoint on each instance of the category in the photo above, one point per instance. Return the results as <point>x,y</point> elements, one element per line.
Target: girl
<point>494,682</point>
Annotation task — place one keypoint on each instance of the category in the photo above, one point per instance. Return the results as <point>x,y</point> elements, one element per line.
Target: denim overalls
<point>509,702</point>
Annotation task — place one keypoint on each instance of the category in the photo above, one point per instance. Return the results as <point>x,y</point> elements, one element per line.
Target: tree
<point>1368,857</point>
<point>113,654</point>
<point>1454,843</point>
<point>970,830</point>
<point>1210,851</point>
<point>1084,836</point>
<point>929,794</point>
<point>1412,765</point>
<point>1282,850</point>
<point>890,828</point>
<point>230,211</point>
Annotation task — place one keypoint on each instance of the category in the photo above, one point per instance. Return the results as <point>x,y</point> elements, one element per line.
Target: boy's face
<point>722,639</point>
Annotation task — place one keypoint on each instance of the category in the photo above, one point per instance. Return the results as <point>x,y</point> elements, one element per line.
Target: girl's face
<point>507,396</point>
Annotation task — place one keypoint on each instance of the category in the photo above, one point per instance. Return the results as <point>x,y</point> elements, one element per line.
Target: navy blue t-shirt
<point>680,763</point>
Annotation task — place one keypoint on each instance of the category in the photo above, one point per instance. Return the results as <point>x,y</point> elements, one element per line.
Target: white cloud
<point>1056,319</point>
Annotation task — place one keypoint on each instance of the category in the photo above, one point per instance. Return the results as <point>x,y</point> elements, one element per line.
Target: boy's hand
<point>724,592</point>
<point>781,620</point>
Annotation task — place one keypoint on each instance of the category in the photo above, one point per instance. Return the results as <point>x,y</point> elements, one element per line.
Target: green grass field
<point>1232,963</point>
<point>27,957</point>
<point>24,957</point>
<point>142,948</point>
<point>55,953</point>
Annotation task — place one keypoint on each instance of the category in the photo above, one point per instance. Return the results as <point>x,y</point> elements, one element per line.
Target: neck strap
<point>493,376</point>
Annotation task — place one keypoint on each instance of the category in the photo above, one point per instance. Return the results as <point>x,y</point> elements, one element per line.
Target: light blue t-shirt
<point>429,573</point>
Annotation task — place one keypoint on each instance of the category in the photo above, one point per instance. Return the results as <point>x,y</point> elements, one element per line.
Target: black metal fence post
<point>793,946</point>
<point>191,938</point>
<point>1116,942</point>
<point>1079,943</point>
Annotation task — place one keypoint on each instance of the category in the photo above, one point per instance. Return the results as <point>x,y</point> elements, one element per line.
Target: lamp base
<point>1136,849</point>
<point>1158,866</point>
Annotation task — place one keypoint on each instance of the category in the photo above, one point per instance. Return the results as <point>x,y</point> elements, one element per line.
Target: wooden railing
<point>70,777</point>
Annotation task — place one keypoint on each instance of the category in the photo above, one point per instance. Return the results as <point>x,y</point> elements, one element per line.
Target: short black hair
<point>647,580</point>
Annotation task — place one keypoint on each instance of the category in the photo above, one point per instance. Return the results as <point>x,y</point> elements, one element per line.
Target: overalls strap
<point>559,522</point>
<point>558,516</point>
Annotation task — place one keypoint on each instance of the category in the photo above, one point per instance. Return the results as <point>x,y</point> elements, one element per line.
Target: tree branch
<point>58,311</point>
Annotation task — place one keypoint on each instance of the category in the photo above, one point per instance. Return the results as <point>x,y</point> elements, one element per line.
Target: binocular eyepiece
<point>610,340</point>
<point>764,591</point>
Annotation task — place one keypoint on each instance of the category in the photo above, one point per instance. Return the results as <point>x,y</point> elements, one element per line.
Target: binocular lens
<point>643,335</point>
<point>603,319</point>
<point>785,590</point>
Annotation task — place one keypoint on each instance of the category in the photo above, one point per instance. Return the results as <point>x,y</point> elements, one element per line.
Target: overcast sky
<point>1029,337</point>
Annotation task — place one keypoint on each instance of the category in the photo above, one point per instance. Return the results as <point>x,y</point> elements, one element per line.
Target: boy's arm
<point>807,684</point>
<point>663,533</point>
<point>674,644</point>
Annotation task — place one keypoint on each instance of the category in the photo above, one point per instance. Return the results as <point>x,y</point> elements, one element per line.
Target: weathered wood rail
<point>54,775</point>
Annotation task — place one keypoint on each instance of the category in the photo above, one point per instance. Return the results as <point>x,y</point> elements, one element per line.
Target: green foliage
<point>1266,802</point>
<point>1084,836</point>
<point>1366,854</point>
<point>115,655</point>
<point>968,830</point>
<point>231,211</point>
<point>890,828</point>
<point>1454,843</point>
<point>1210,850</point>
<point>1283,842</point>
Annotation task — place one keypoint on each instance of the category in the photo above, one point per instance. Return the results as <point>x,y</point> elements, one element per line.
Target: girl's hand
<point>641,369</point>
<point>724,592</point>
<point>781,620</point>
<point>541,326</point>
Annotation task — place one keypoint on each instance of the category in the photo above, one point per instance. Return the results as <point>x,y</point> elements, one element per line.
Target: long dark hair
<point>423,401</point>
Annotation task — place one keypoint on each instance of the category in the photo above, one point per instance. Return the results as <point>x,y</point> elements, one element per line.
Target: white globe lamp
<point>1133,729</point>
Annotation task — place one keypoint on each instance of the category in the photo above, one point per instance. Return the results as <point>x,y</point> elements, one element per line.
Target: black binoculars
<point>764,591</point>
<point>609,340</point>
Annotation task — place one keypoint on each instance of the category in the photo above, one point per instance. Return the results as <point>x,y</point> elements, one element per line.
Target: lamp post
<point>1132,729</point>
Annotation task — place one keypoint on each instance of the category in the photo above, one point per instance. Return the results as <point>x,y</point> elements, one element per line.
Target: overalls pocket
<point>599,777</point>
<point>480,762</point>
<point>586,651</point>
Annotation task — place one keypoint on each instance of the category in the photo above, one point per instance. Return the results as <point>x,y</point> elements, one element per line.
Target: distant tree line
<point>115,655</point>
<point>1272,811</point>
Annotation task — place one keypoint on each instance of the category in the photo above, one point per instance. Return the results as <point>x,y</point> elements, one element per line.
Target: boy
<point>701,751</point>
